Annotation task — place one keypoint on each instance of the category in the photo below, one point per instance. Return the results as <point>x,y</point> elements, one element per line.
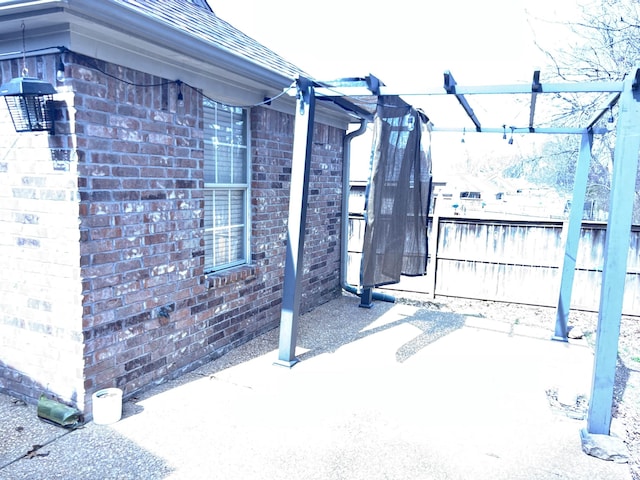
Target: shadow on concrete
<point>432,324</point>
<point>331,326</point>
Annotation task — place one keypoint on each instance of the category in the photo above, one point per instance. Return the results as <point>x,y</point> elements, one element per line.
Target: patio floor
<point>392,392</point>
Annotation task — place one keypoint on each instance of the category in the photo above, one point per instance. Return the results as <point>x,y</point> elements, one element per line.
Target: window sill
<point>230,276</point>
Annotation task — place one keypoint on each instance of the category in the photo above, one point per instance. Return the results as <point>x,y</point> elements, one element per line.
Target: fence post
<point>433,253</point>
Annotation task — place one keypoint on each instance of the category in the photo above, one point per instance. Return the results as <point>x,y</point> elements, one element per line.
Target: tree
<point>603,44</point>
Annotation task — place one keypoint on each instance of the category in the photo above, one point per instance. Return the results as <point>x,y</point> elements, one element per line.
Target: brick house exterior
<point>101,243</point>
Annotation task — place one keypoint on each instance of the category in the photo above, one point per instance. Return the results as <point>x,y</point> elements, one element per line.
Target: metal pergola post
<point>616,249</point>
<point>298,196</point>
<point>573,237</point>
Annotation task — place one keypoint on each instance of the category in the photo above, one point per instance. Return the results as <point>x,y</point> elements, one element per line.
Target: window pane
<point>239,173</point>
<point>236,208</point>
<point>239,132</point>
<point>236,243</point>
<point>225,227</point>
<point>228,246</point>
<point>224,164</point>
<point>221,247</point>
<point>221,208</point>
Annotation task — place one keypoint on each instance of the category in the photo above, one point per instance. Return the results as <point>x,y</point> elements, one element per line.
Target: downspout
<point>344,243</point>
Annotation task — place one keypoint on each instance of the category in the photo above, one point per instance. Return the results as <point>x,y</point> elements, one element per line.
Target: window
<point>226,183</point>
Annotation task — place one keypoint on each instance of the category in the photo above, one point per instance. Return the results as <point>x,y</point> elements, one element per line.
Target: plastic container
<point>107,406</point>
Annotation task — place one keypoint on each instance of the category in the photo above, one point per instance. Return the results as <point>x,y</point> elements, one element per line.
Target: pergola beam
<point>349,106</point>
<point>450,88</point>
<point>545,130</point>
<point>536,88</point>
<point>613,99</point>
<point>524,89</point>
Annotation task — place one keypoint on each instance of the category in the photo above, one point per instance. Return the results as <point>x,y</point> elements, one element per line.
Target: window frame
<point>212,187</point>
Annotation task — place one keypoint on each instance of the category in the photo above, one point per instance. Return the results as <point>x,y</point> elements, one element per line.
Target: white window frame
<point>217,229</point>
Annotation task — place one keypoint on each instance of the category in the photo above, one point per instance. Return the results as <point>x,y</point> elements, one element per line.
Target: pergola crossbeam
<point>523,89</point>
<point>612,100</point>
<point>536,88</point>
<point>547,130</point>
<point>361,112</point>
<point>450,88</point>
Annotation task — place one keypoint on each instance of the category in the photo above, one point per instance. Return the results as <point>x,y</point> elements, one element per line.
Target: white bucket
<point>107,406</point>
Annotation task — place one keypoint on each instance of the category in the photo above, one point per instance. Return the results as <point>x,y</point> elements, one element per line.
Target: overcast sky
<point>409,44</point>
<point>403,42</point>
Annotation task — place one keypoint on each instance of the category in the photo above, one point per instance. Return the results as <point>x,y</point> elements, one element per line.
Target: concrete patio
<point>392,392</point>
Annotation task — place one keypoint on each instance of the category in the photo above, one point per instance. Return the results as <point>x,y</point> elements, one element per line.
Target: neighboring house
<point>146,235</point>
<point>496,198</point>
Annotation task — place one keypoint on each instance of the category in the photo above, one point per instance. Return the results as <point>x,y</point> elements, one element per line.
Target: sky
<point>404,42</point>
<point>409,44</point>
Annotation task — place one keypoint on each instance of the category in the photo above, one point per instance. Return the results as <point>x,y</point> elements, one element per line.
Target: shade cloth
<point>398,195</point>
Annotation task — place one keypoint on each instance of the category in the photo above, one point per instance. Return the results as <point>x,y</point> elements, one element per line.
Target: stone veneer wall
<point>148,312</point>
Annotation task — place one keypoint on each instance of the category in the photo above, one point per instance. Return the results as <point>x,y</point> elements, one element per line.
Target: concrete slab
<point>20,430</point>
<point>392,392</point>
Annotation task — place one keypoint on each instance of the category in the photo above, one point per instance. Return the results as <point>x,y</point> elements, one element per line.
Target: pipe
<point>344,243</point>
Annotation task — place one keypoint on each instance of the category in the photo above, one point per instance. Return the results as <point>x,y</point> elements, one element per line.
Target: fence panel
<point>511,261</point>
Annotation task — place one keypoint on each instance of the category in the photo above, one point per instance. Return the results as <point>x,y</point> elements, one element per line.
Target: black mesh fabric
<point>398,194</point>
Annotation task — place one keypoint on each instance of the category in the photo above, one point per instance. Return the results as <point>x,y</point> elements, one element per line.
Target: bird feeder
<point>29,101</point>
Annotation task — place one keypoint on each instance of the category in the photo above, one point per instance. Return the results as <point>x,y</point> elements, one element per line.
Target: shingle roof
<point>196,18</point>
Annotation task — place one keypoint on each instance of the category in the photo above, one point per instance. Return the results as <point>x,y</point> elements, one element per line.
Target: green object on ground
<point>58,413</point>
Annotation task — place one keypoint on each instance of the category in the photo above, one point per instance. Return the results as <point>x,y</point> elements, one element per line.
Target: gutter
<point>344,234</point>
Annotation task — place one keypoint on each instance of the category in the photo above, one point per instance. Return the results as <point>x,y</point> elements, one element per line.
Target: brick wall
<point>272,137</point>
<point>105,250</point>
<point>141,210</point>
<point>40,296</point>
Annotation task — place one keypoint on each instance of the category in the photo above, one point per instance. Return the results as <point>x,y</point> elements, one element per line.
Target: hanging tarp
<point>398,194</point>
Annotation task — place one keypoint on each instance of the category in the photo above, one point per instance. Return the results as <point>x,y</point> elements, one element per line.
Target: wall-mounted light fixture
<point>29,101</point>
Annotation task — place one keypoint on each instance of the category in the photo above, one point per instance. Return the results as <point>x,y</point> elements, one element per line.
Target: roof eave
<point>126,20</point>
<point>115,33</point>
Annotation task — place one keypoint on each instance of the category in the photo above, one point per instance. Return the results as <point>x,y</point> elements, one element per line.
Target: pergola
<point>356,95</point>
